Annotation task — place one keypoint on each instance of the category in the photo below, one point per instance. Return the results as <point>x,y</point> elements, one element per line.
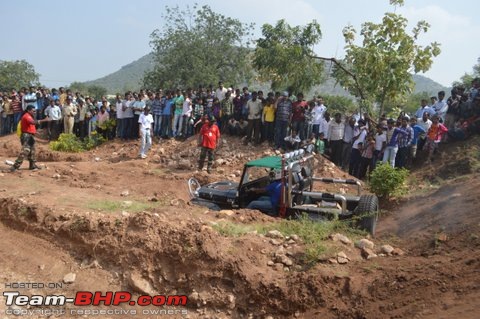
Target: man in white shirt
<point>220,92</point>
<point>120,119</point>
<point>336,130</point>
<point>53,112</point>
<point>186,114</point>
<point>255,108</point>
<point>145,129</point>
<point>356,154</point>
<point>380,144</point>
<point>441,107</point>
<point>425,123</point>
<point>424,108</point>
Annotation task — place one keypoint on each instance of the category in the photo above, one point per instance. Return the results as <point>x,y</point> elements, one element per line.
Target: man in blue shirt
<point>268,204</point>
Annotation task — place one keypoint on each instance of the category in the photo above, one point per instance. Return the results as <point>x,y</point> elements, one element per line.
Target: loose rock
<point>364,243</point>
<point>140,285</point>
<point>398,252</point>
<point>367,253</point>
<point>341,238</point>
<point>274,234</point>
<point>387,249</point>
<point>125,193</point>
<point>227,212</point>
<point>69,278</point>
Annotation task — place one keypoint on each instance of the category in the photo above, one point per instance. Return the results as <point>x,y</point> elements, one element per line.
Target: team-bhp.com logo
<point>85,298</point>
<point>97,298</point>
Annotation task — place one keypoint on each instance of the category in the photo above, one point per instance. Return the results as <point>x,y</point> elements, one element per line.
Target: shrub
<point>386,181</point>
<point>72,144</point>
<point>67,143</point>
<point>93,141</point>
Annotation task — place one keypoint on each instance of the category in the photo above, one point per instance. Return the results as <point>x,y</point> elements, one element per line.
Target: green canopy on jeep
<point>274,162</point>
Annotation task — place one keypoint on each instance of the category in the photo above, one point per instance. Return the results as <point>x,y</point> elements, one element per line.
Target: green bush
<point>72,144</point>
<point>387,181</point>
<point>67,143</point>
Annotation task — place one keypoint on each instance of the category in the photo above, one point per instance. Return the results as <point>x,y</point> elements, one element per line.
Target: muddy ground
<point>121,223</point>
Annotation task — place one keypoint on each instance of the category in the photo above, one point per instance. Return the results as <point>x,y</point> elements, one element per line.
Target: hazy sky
<point>70,41</point>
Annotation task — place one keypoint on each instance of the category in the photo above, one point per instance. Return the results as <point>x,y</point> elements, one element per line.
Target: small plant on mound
<point>387,181</point>
<point>67,143</point>
<point>93,141</point>
<point>72,144</point>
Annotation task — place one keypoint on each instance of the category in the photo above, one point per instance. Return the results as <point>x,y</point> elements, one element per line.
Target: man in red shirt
<point>208,139</point>
<point>27,139</point>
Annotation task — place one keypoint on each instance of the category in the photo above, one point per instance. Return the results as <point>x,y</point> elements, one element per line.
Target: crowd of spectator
<point>281,119</point>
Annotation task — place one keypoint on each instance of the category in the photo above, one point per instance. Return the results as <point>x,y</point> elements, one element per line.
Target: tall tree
<point>283,56</point>
<point>198,46</point>
<point>377,70</point>
<point>383,64</point>
<point>17,74</point>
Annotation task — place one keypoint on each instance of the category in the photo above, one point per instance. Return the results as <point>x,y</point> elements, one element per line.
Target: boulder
<point>364,243</point>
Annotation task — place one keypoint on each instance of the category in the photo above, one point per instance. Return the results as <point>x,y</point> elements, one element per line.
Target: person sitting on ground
<point>320,144</point>
<point>292,141</point>
<point>232,127</point>
<point>242,127</point>
<point>268,204</point>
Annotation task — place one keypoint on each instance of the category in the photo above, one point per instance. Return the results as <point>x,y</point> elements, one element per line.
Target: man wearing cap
<point>208,139</point>
<point>283,116</point>
<point>27,139</point>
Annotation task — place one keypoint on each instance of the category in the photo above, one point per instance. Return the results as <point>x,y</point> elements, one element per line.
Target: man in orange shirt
<point>27,139</point>
<point>208,139</point>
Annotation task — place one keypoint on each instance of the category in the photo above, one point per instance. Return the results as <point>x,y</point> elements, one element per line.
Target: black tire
<point>366,213</point>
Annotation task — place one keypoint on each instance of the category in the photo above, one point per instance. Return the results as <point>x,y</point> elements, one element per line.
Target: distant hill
<point>129,77</point>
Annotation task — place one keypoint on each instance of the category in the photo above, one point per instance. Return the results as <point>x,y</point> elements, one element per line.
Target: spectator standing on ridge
<point>208,140</point>
<point>145,127</point>
<point>69,112</point>
<point>336,130</point>
<point>441,106</point>
<point>254,107</point>
<point>424,108</point>
<point>283,116</point>
<point>434,136</point>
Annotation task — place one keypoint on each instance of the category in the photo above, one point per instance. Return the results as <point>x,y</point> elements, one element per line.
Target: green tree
<point>17,74</point>
<point>96,91</point>
<point>79,87</point>
<point>93,90</point>
<point>198,46</point>
<point>384,62</point>
<point>284,56</point>
<point>340,104</point>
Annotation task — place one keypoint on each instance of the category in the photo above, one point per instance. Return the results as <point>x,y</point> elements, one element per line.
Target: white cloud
<point>455,33</point>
